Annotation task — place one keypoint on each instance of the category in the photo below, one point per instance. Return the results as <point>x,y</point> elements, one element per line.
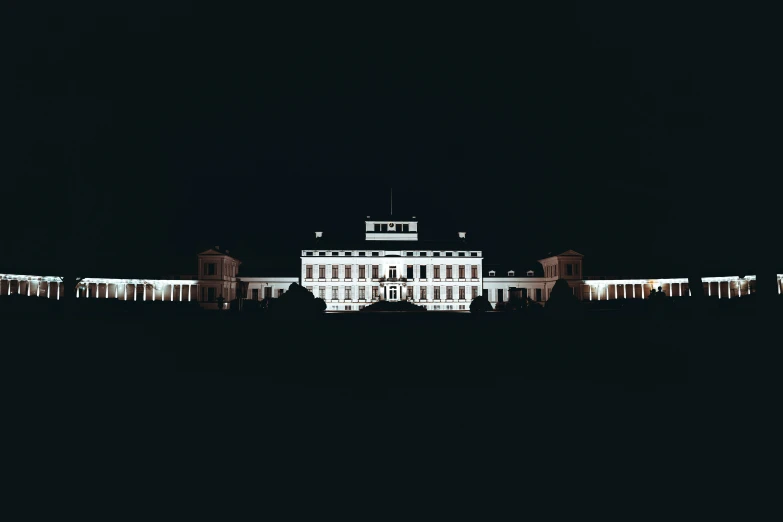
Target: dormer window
<point>321,253</point>
<point>530,273</point>
<point>461,254</point>
<point>474,254</point>
<point>449,254</point>
<point>308,253</point>
<point>491,273</point>
<point>510,273</point>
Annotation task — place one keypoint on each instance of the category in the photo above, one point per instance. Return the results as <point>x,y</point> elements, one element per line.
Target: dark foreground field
<point>153,402</point>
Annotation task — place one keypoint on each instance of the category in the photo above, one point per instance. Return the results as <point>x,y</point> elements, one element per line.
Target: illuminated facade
<point>390,264</point>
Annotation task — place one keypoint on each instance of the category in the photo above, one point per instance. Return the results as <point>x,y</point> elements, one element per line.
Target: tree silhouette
<point>562,301</point>
<point>480,304</point>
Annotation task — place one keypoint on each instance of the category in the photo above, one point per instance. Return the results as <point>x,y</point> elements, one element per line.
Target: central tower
<point>391,229</point>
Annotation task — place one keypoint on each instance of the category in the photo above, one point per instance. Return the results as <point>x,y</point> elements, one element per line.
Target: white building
<point>391,263</point>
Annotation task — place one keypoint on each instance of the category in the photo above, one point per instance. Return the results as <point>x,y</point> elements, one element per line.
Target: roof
<point>364,245</point>
<point>562,253</point>
<point>217,251</point>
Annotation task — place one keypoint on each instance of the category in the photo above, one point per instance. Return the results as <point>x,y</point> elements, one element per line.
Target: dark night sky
<point>135,139</point>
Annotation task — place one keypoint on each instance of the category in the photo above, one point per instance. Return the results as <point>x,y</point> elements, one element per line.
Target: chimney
<point>461,235</point>
<point>319,234</point>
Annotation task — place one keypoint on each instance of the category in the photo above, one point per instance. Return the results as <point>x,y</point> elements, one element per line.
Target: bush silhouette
<point>480,304</point>
<point>562,301</point>
<point>394,306</point>
<point>297,301</point>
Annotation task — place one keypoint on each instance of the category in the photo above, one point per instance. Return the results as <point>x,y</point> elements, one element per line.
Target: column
<point>172,292</point>
<point>28,288</point>
<point>87,290</point>
<point>125,292</point>
<point>616,295</point>
<point>633,290</point>
<point>190,291</point>
<point>144,292</point>
<point>49,290</point>
<point>153,292</point>
<point>709,289</point>
<point>58,291</point>
<point>670,289</point>
<point>135,290</point>
<point>590,287</point>
<point>718,289</point>
<point>180,292</point>
<point>625,291</point>
<point>679,290</point>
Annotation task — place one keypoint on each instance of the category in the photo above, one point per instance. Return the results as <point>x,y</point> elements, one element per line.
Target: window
<point>334,271</point>
<point>309,253</point>
<point>393,292</point>
<point>375,293</point>
<point>449,293</point>
<point>347,271</point>
<point>309,271</point>
<point>255,294</point>
<point>405,227</point>
<point>361,254</point>
<point>437,292</point>
<point>436,254</point>
<point>334,293</point>
<point>322,292</point>
<point>474,254</point>
<point>461,307</point>
<point>392,272</point>
<point>436,270</point>
<point>461,254</point>
<point>510,273</point>
<point>348,293</point>
<point>321,272</point>
<point>462,292</point>
<point>362,270</point>
<point>449,254</point>
<point>377,227</point>
<point>569,269</point>
<point>462,271</point>
<point>267,292</point>
<point>375,254</point>
<point>423,293</point>
<point>448,271</point>
<point>348,308</point>
<point>409,272</point>
<point>280,292</point>
<point>538,294</point>
<point>491,273</point>
<point>576,269</point>
<point>473,292</point>
<point>361,307</point>
<point>474,272</point>
<point>361,293</point>
<point>409,254</point>
<point>321,253</point>
<point>375,271</point>
<point>210,268</point>
<point>422,272</point>
<point>310,289</point>
<point>500,294</point>
<point>384,227</point>
<point>348,254</point>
